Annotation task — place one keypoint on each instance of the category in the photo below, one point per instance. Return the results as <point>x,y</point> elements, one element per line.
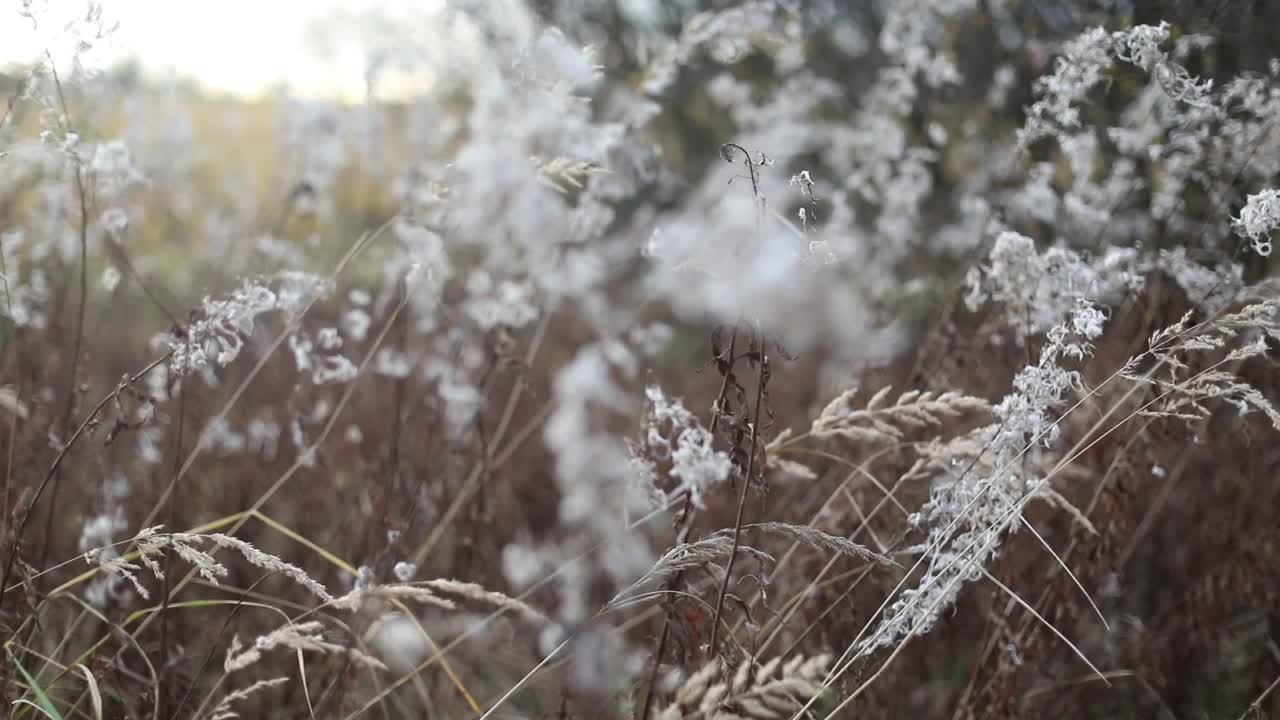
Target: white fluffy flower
<point>404,571</point>
<point>674,433</point>
<point>1259,218</point>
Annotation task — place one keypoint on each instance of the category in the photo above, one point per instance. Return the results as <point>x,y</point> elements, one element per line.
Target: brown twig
<point>82,197</point>
<point>684,525</point>
<point>57,464</point>
<point>762,375</point>
<point>168,558</point>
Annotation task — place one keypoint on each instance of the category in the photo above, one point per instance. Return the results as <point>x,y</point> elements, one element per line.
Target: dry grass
<point>997,521</point>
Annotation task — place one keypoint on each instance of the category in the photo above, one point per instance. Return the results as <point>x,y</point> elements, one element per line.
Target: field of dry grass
<point>708,381</point>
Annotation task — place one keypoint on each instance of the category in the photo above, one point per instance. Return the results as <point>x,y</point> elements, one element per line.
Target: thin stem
<point>57,464</point>
<point>666,623</point>
<point>78,343</point>
<point>168,558</point>
<point>761,379</point>
<point>685,526</point>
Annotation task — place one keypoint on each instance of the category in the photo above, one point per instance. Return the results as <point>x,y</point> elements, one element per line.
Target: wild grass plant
<point>756,360</point>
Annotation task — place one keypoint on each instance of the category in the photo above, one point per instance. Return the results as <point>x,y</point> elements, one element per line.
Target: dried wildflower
<point>970,511</point>
<point>1083,66</point>
<point>1259,217</point>
<point>727,33</point>
<point>1210,288</point>
<point>1140,46</point>
<point>217,337</point>
<point>675,435</point>
<point>1039,290</point>
<point>592,471</point>
<point>1080,68</point>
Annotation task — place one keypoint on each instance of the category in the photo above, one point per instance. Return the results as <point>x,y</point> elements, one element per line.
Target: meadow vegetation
<point>762,359</point>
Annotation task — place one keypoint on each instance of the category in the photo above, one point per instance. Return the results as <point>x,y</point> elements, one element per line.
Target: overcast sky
<point>237,46</point>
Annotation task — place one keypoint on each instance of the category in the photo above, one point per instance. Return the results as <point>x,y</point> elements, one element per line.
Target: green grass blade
<point>42,701</point>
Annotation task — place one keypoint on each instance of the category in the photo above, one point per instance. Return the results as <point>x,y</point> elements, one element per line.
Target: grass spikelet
<point>765,692</point>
